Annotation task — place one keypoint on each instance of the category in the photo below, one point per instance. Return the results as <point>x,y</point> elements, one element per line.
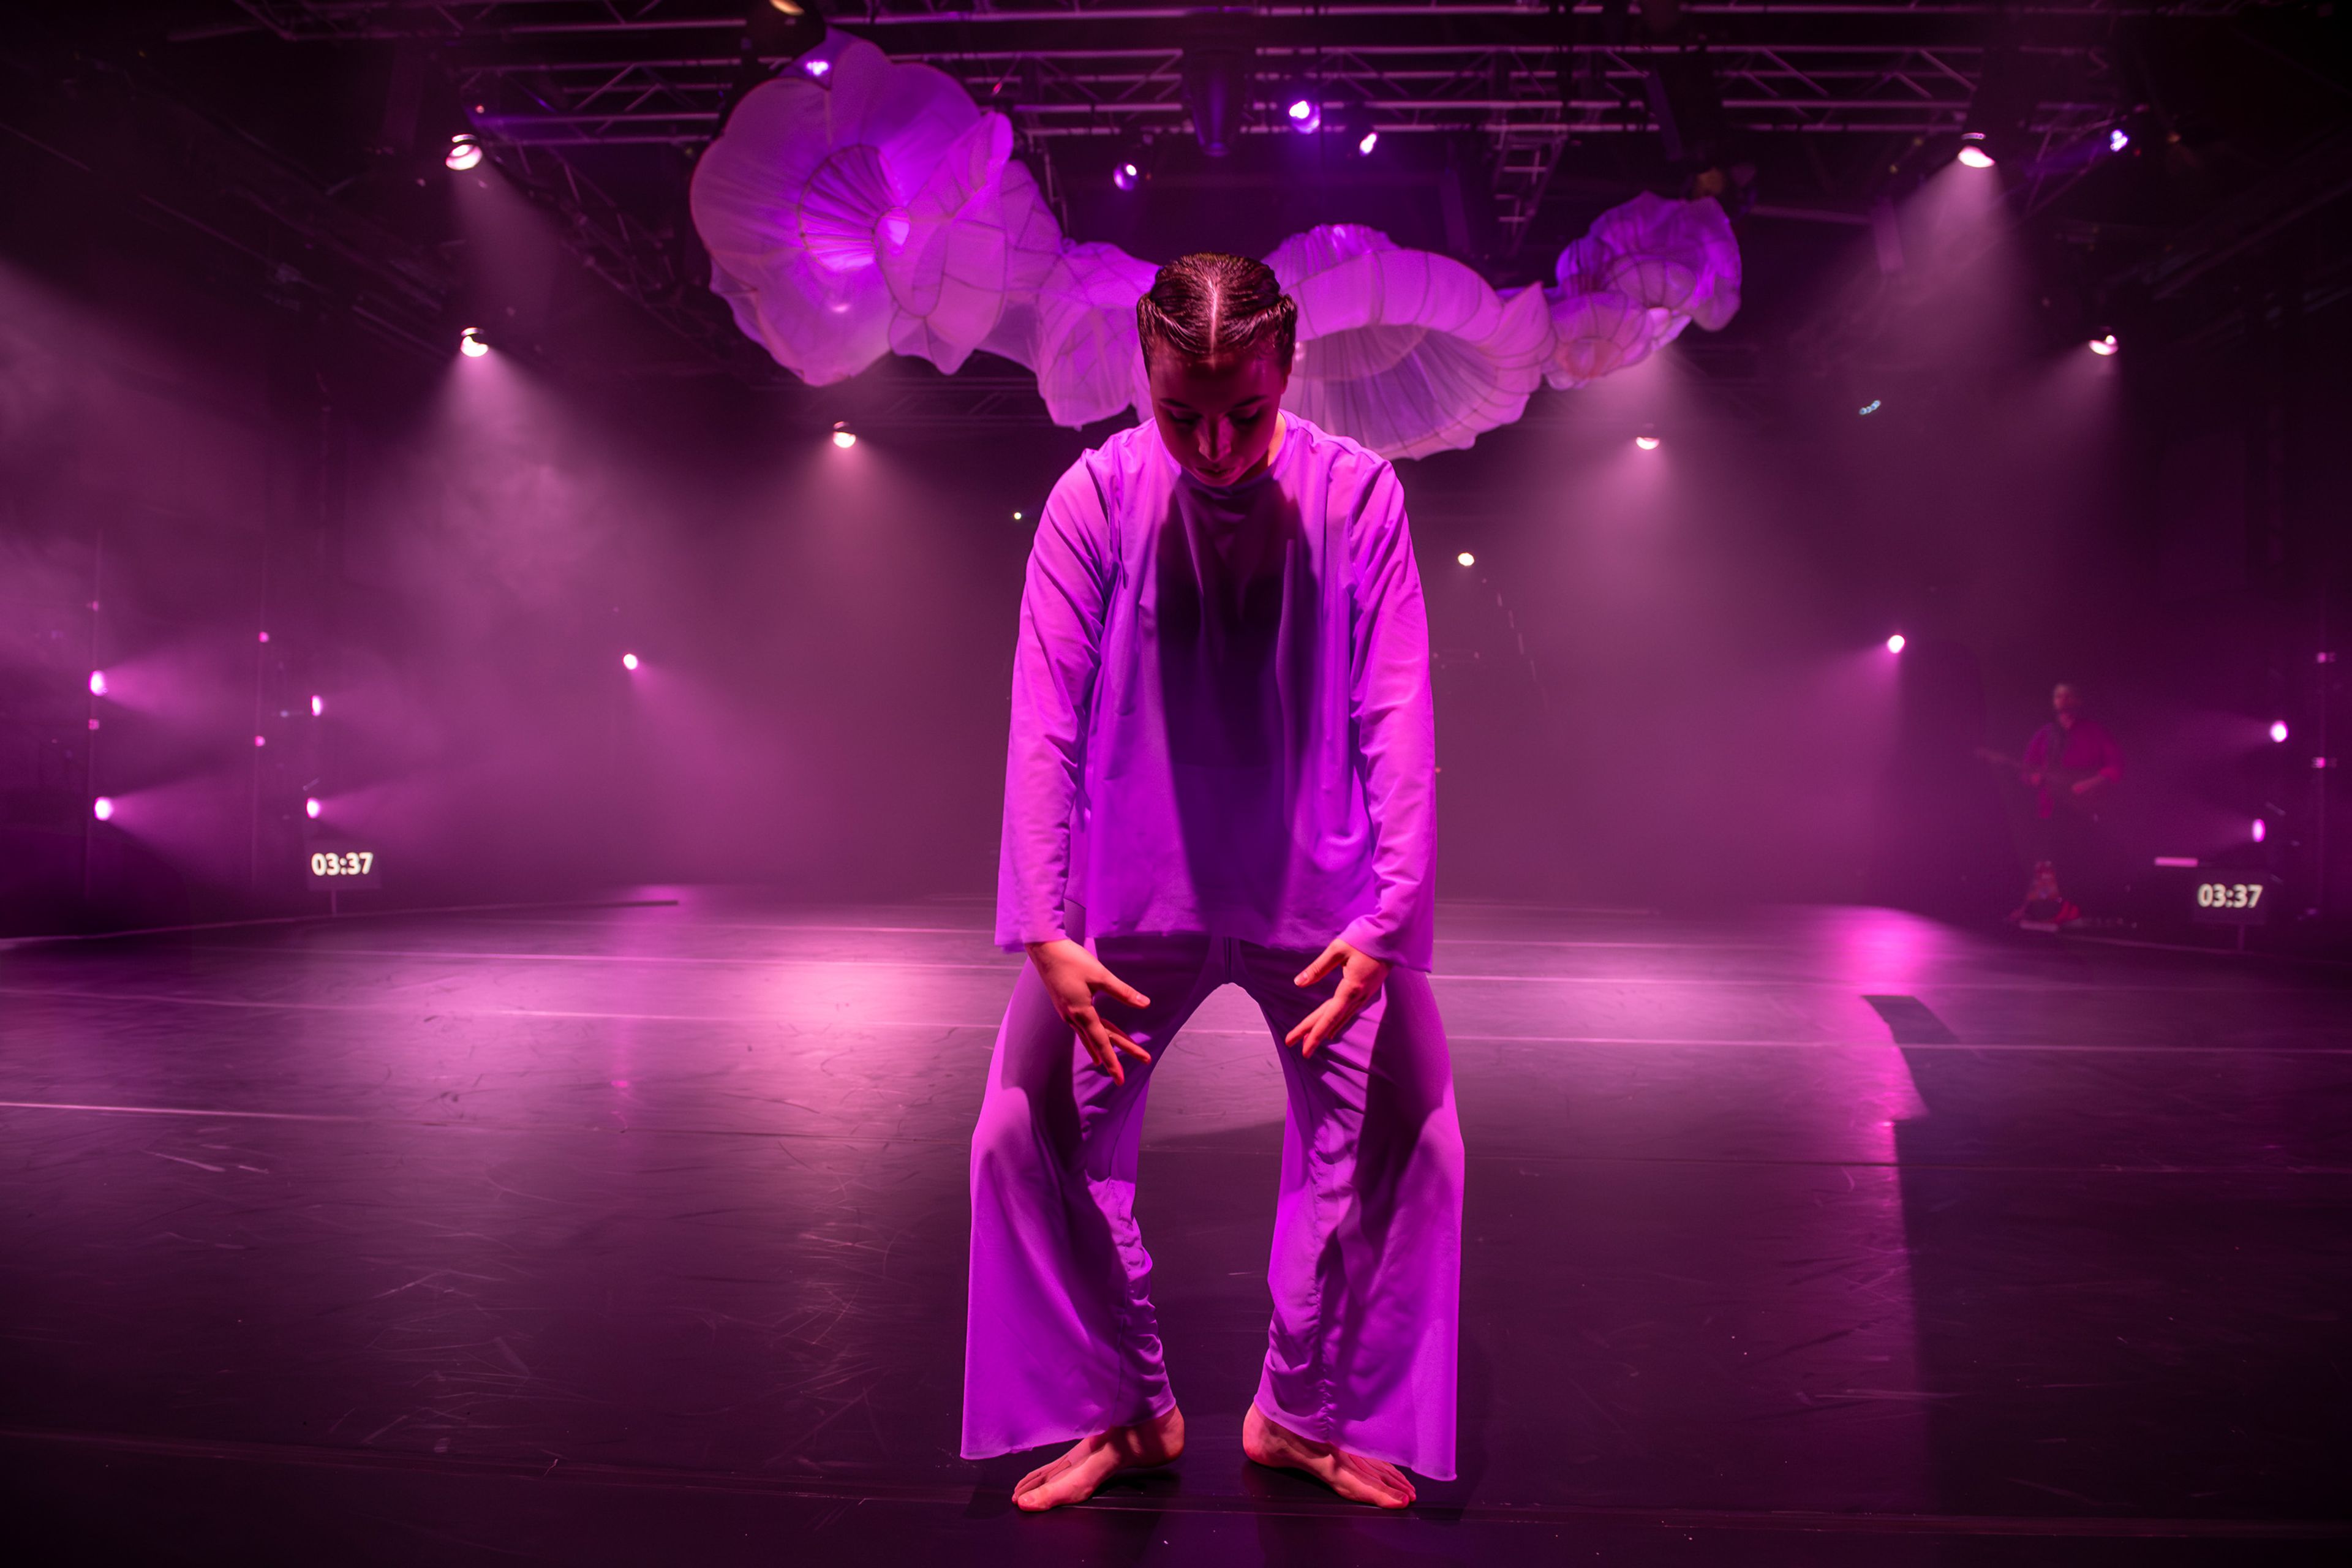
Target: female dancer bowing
<point>1220,770</point>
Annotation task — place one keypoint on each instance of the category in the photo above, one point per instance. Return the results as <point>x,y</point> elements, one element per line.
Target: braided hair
<point>1212,306</point>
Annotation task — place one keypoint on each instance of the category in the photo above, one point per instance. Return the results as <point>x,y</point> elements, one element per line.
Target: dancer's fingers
<point>1121,1040</point>
<point>1104,980</point>
<point>1329,959</point>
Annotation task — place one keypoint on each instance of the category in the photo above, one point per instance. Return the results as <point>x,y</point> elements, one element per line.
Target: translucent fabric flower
<point>1593,334</point>
<point>1404,351</point>
<point>1670,254</point>
<point>1089,362</point>
<point>860,213</point>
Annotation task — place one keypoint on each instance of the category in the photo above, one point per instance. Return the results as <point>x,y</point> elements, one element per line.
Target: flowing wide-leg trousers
<point>1061,1342</point>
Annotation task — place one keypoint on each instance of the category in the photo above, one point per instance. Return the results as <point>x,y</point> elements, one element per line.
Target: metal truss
<point>555,81</point>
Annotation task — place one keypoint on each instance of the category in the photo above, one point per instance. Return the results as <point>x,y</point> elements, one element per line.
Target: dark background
<point>230,404</point>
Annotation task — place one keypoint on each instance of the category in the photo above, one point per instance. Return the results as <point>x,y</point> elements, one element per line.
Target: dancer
<point>1220,770</point>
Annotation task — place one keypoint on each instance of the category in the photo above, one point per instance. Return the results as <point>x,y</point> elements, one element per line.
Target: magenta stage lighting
<point>311,808</point>
<point>1647,443</point>
<point>1467,559</point>
<point>317,707</point>
<point>2261,830</point>
<point>1127,175</point>
<point>265,637</point>
<point>98,683</point>
<point>470,344</point>
<point>1303,110</point>
<point>2118,139</point>
<point>465,154</point>
<point>817,70</point>
<point>1366,142</point>
<point>2105,344</point>
<point>2278,731</point>
<point>102,808</point>
<point>1973,152</point>
<point>261,740</point>
<point>629,661</point>
<point>1895,644</point>
<point>844,436</point>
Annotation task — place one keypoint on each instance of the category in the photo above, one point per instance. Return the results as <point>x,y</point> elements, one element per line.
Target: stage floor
<point>634,1235</point>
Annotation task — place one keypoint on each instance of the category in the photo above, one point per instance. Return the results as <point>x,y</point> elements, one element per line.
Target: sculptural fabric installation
<point>873,209</point>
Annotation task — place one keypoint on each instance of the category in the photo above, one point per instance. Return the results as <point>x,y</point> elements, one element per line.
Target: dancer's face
<point>1218,415</point>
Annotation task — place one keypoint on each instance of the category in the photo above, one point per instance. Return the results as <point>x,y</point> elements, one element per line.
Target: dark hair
<point>1210,306</point>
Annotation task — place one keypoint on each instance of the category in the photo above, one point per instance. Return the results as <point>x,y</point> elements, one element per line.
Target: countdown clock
<point>333,867</point>
<point>2237,899</point>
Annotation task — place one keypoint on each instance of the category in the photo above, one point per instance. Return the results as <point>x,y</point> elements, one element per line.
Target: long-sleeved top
<point>1221,706</point>
<point>2085,750</point>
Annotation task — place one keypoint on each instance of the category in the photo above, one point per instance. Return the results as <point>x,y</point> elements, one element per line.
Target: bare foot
<point>1352,1476</point>
<point>1074,1476</point>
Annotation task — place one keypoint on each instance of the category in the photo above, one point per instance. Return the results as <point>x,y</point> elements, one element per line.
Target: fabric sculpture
<point>1405,352</point>
<point>874,208</point>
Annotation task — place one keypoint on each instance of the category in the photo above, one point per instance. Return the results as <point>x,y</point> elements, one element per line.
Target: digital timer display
<point>2234,903</point>
<point>336,868</point>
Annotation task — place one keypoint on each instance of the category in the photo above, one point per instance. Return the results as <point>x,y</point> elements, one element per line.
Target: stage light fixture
<point>816,69</point>
<point>1647,443</point>
<point>1127,174</point>
<point>1217,72</point>
<point>1467,559</point>
<point>2105,344</point>
<point>102,808</point>
<point>465,153</point>
<point>629,661</point>
<point>2118,139</point>
<point>312,807</point>
<point>1873,406</point>
<point>2261,830</point>
<point>2278,731</point>
<point>265,637</point>
<point>1302,110</point>
<point>98,683</point>
<point>1897,643</point>
<point>470,344</point>
<point>1973,152</point>
<point>844,436</point>
<point>261,740</point>
<point>789,7</point>
<point>1366,142</point>
<point>1016,517</point>
<point>317,707</point>
<point>1356,125</point>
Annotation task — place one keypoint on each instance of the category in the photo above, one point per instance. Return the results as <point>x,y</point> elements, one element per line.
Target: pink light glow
<point>311,808</point>
<point>629,661</point>
<point>470,344</point>
<point>1972,150</point>
<point>1467,559</point>
<point>317,707</point>
<point>98,683</point>
<point>265,637</point>
<point>102,808</point>
<point>845,439</point>
<point>1647,443</point>
<point>2261,830</point>
<point>464,153</point>
<point>261,740</point>
<point>2278,728</point>
<point>2105,344</point>
<point>1894,643</point>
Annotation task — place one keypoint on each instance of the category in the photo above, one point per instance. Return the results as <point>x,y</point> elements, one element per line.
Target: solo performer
<point>1220,770</point>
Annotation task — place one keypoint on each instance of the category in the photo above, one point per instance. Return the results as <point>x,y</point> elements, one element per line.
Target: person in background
<point>2072,765</point>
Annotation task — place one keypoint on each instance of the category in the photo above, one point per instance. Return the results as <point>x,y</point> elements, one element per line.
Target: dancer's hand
<point>1072,977</point>
<point>1360,982</point>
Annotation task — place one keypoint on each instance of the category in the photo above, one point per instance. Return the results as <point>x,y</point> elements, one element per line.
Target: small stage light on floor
<point>2278,731</point>
<point>311,808</point>
<point>261,740</point>
<point>465,153</point>
<point>98,683</point>
<point>2105,344</point>
<point>1127,175</point>
<point>1467,559</point>
<point>2118,139</point>
<point>102,808</point>
<point>1017,517</point>
<point>2261,830</point>
<point>844,436</point>
<point>629,661</point>
<point>1897,643</point>
<point>265,637</point>
<point>317,707</point>
<point>1973,152</point>
<point>470,344</point>
<point>1648,442</point>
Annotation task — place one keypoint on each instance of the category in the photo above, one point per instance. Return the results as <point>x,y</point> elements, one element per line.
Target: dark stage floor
<point>636,1234</point>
